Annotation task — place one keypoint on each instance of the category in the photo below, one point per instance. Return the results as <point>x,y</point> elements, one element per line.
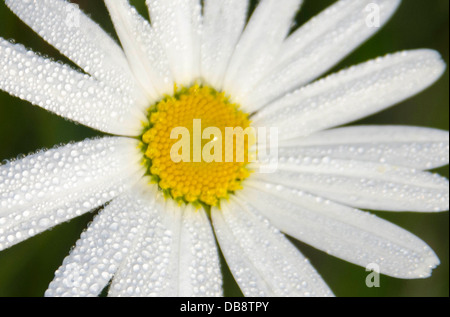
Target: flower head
<point>169,182</point>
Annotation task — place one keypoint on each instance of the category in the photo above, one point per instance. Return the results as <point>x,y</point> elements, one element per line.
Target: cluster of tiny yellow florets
<point>194,182</point>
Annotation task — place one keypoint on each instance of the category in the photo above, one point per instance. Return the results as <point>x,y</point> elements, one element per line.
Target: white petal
<point>320,44</point>
<point>145,54</point>
<point>199,265</point>
<point>223,22</point>
<point>352,94</point>
<point>257,48</point>
<point>100,250</point>
<point>364,184</point>
<point>177,25</point>
<point>353,235</point>
<point>75,35</point>
<point>48,188</point>
<point>262,260</point>
<point>174,256</point>
<point>66,92</point>
<point>415,147</point>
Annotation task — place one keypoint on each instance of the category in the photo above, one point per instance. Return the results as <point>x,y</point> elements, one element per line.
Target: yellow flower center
<point>197,145</point>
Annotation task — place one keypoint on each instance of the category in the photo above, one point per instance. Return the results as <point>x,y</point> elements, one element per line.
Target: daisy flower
<point>160,220</point>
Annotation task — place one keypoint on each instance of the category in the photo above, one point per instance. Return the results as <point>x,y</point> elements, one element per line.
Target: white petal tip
<point>436,60</point>
<point>422,270</point>
<point>427,269</point>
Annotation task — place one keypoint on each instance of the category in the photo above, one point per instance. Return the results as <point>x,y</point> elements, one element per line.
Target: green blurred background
<point>27,268</point>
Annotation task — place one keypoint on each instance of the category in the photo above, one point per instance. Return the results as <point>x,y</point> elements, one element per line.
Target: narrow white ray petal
<point>350,234</point>
<point>223,22</point>
<point>262,260</point>
<point>415,147</point>
<point>75,35</point>
<point>175,255</point>
<point>199,265</point>
<point>352,94</point>
<point>137,271</point>
<point>362,184</point>
<point>177,24</point>
<point>48,188</point>
<point>101,249</point>
<point>320,44</point>
<point>258,46</point>
<point>145,53</point>
<point>66,92</point>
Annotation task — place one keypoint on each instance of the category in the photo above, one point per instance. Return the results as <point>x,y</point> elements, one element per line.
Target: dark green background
<point>27,268</point>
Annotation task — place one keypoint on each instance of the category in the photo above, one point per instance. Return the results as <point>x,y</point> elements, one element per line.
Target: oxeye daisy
<point>196,70</point>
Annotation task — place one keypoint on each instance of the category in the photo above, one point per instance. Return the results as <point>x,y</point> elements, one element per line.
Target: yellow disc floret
<point>194,146</point>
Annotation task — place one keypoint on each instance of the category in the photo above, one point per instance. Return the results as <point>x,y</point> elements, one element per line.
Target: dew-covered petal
<point>262,260</point>
<point>415,147</point>
<point>199,266</point>
<point>51,187</point>
<point>352,94</point>
<point>223,22</point>
<point>350,234</point>
<point>145,53</point>
<point>66,92</point>
<point>367,185</point>
<point>320,44</point>
<point>177,24</point>
<point>175,255</point>
<point>146,270</point>
<point>101,249</point>
<point>258,46</point>
<point>74,34</point>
